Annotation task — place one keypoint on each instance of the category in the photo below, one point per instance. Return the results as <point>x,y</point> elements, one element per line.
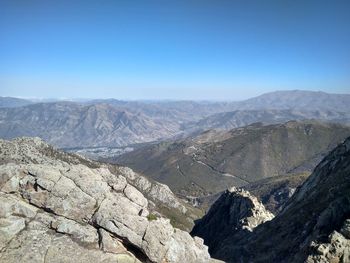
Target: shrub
<point>151,217</point>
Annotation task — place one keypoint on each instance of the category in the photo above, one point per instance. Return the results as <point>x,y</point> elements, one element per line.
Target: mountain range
<point>114,123</point>
<point>9,102</point>
<point>69,124</point>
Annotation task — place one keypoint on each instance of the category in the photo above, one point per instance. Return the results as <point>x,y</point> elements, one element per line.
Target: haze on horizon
<point>197,50</point>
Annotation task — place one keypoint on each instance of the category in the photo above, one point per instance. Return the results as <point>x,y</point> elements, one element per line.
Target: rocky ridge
<point>34,150</point>
<point>49,205</point>
<point>313,226</point>
<point>235,213</point>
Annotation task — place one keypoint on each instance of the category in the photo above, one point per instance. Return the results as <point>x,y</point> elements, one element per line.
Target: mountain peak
<point>235,213</point>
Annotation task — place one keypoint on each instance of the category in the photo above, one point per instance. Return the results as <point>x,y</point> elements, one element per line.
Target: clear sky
<point>220,50</point>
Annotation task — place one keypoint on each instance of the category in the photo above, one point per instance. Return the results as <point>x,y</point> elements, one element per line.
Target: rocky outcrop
<point>50,205</point>
<point>157,192</point>
<point>236,213</point>
<point>337,249</point>
<point>34,150</point>
<point>313,225</point>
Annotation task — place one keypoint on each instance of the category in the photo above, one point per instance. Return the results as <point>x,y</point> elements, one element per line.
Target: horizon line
<point>77,99</point>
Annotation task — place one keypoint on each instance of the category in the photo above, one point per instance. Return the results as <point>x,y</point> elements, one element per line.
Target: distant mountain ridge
<point>117,123</point>
<point>10,102</point>
<point>240,118</point>
<point>298,100</point>
<point>69,124</point>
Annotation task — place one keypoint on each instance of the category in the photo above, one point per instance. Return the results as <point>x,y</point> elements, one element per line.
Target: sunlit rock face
<point>51,202</point>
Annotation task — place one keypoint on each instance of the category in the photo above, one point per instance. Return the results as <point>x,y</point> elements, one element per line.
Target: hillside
<point>314,225</point>
<point>275,191</point>
<point>212,161</point>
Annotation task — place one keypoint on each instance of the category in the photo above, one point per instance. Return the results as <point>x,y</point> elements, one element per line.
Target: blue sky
<point>220,50</point>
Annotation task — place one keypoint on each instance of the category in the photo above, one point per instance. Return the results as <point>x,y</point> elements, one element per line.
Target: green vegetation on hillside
<point>198,167</point>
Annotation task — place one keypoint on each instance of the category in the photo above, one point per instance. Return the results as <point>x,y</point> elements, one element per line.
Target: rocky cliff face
<point>312,227</point>
<point>54,208</point>
<point>235,214</point>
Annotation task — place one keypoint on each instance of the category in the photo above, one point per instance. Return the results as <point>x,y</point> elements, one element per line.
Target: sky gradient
<point>219,50</point>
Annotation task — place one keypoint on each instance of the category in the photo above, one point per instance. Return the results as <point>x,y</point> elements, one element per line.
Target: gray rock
<point>110,244</point>
<point>11,205</point>
<point>157,192</point>
<point>121,216</point>
<point>28,246</point>
<point>183,248</point>
<point>337,250</point>
<point>52,210</point>
<point>10,227</point>
<point>83,233</point>
<point>156,239</point>
<point>116,182</point>
<point>135,196</point>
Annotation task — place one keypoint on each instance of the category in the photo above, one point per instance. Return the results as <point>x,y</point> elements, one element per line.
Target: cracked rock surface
<point>54,208</point>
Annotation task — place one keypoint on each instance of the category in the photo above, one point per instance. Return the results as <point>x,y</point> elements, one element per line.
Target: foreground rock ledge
<point>54,211</point>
